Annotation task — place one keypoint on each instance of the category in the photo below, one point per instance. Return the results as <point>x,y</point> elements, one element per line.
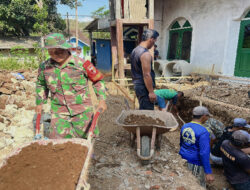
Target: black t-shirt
<point>235,163</point>
<point>225,136</point>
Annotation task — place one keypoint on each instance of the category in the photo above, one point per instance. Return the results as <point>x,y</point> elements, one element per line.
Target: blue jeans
<point>143,98</point>
<point>242,186</point>
<point>161,102</point>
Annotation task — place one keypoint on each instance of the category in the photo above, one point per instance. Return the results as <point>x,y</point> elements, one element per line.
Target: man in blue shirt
<point>195,145</point>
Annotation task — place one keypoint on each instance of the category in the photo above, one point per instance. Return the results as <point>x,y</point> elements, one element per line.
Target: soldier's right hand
<point>39,109</point>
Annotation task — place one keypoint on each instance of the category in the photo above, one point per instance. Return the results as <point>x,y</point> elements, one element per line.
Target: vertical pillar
<point>151,26</point>
<point>151,9</point>
<point>91,42</point>
<point>113,50</point>
<point>140,31</point>
<point>119,36</point>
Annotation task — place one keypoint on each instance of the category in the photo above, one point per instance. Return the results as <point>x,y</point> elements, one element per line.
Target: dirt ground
<point>115,164</point>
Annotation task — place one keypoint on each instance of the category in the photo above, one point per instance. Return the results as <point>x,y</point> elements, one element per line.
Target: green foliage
<point>14,64</point>
<point>100,13</point>
<point>19,51</point>
<point>25,17</point>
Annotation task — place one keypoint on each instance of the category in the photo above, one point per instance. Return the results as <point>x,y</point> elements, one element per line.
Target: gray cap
<point>241,136</point>
<point>201,110</point>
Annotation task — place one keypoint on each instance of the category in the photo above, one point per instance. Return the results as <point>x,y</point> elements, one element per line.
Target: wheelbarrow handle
<point>38,119</point>
<point>93,124</point>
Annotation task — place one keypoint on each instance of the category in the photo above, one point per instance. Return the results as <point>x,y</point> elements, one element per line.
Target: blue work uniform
<point>195,145</point>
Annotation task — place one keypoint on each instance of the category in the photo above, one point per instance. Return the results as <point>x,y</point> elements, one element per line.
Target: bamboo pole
<point>124,92</point>
<point>76,24</point>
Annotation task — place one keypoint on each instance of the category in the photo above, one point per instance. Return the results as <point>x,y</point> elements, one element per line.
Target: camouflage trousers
<point>65,126</point>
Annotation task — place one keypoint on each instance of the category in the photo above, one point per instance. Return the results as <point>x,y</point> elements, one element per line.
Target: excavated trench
<point>218,112</point>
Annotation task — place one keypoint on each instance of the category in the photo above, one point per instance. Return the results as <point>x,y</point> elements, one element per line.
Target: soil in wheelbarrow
<point>142,120</point>
<point>47,167</point>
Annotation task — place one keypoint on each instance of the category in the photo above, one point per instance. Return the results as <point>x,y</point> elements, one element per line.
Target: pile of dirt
<point>142,120</point>
<point>231,93</point>
<point>44,167</point>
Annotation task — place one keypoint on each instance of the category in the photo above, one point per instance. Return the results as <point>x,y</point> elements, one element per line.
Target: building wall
<point>216,25</point>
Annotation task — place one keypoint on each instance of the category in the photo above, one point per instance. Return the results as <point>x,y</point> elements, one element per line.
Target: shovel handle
<point>38,119</point>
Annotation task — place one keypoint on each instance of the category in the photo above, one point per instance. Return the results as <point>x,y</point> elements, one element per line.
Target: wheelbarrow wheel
<point>145,148</point>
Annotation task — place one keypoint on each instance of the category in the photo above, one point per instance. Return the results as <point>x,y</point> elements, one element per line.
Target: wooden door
<point>242,67</point>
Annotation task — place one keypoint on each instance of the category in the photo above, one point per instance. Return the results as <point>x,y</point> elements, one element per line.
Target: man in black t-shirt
<point>237,163</point>
<point>239,123</point>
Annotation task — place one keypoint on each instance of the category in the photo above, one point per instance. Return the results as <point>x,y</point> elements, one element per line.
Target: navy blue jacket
<point>195,145</point>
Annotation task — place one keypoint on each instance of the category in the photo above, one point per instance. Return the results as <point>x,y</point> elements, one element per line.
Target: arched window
<point>180,40</point>
<point>242,67</point>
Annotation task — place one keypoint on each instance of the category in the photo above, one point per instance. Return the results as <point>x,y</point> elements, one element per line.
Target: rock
<point>9,141</point>
<point>155,187</point>
<point>1,119</point>
<point>181,188</point>
<point>2,126</point>
<point>2,143</point>
<point>10,86</point>
<point>102,160</point>
<point>3,101</point>
<point>5,91</point>
<point>29,86</point>
<point>147,185</point>
<point>19,104</point>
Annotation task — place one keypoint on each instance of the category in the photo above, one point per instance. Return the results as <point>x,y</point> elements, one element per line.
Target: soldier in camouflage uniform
<point>214,127</point>
<point>64,76</point>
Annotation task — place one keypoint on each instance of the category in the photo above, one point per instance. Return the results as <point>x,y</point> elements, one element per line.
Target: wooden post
<point>151,9</point>
<point>113,50</point>
<point>91,41</point>
<point>151,26</point>
<point>126,10</point>
<point>112,9</point>
<point>118,9</point>
<point>119,37</point>
<point>68,25</point>
<point>76,25</point>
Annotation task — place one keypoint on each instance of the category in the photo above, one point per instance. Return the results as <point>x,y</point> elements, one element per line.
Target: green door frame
<point>179,42</point>
<point>238,71</point>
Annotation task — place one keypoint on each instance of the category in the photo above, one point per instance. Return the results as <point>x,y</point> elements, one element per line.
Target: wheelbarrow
<point>146,134</point>
<point>88,143</point>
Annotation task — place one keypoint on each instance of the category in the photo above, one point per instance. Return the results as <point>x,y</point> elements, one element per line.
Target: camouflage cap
<point>56,40</point>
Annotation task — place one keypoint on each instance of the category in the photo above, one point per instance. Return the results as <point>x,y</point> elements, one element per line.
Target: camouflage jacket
<point>214,126</point>
<point>68,87</point>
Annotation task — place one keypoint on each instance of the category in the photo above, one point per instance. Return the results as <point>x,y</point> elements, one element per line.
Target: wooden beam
<point>151,9</point>
<point>119,37</point>
<point>113,50</point>
<point>132,22</point>
<point>123,91</point>
<point>112,9</point>
<point>208,100</point>
<point>126,9</point>
<point>151,26</point>
<point>118,9</point>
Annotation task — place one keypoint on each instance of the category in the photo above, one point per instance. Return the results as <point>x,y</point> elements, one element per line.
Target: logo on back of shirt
<point>188,136</point>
